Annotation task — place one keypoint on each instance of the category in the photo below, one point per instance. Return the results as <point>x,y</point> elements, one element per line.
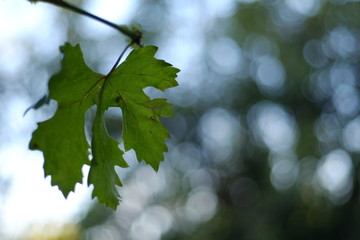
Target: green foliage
<point>76,88</point>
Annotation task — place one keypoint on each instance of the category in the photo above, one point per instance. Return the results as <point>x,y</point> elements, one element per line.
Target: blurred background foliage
<point>266,140</point>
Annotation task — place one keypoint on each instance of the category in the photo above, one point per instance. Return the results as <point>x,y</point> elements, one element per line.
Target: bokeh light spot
<point>270,75</point>
<point>346,100</point>
<point>273,126</point>
<point>201,205</point>
<point>219,130</point>
<point>335,174</point>
<point>351,135</point>
<point>226,56</point>
<point>305,7</point>
<point>314,54</point>
<point>284,171</point>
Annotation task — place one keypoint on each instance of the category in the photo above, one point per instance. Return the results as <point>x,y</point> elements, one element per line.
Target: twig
<point>135,35</point>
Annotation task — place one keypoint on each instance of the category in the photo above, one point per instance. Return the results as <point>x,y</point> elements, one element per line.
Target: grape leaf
<point>76,88</point>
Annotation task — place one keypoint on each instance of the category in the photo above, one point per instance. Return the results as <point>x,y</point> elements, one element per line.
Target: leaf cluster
<point>76,88</point>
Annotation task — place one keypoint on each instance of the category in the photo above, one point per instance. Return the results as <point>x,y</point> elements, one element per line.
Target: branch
<point>133,34</point>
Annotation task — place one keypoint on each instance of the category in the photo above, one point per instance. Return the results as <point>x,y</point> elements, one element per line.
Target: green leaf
<point>106,155</point>
<point>76,88</point>
<point>62,138</point>
<point>142,130</point>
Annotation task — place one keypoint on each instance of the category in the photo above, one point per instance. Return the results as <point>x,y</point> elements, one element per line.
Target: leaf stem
<point>133,34</point>
<point>118,60</point>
